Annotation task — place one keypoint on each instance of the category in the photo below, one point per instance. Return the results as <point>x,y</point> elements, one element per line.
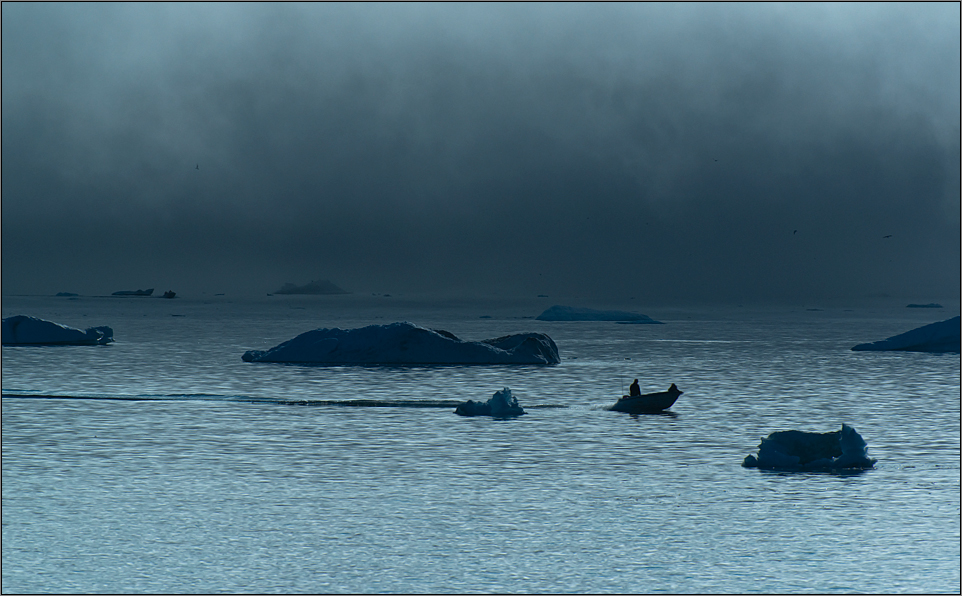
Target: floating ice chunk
<point>937,337</point>
<point>501,405</point>
<point>21,330</point>
<point>407,344</point>
<point>570,313</point>
<point>799,451</point>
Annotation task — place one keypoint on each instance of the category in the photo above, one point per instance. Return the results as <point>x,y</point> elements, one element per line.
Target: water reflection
<point>664,413</point>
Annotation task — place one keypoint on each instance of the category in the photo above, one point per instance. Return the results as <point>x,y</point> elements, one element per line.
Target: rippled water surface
<point>211,483</point>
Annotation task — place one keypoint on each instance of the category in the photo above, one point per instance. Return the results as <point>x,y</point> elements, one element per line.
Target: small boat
<point>648,403</point>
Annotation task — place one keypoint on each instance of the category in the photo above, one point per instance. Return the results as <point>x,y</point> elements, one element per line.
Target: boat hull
<point>648,403</point>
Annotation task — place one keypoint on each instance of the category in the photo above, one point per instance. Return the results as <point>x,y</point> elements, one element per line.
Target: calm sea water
<point>213,484</point>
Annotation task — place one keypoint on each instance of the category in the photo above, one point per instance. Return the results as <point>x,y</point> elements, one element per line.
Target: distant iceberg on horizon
<point>570,313</point>
<point>320,286</point>
<point>937,337</point>
<point>407,344</point>
<point>22,330</point>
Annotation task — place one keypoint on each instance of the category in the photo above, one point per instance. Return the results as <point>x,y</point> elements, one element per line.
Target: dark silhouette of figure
<point>198,166</point>
<point>634,389</point>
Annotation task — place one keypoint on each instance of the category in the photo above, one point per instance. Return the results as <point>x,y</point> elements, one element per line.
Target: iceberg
<point>501,405</point>
<point>799,451</point>
<point>407,344</point>
<point>937,337</point>
<point>321,286</point>
<point>134,292</point>
<point>569,313</point>
<point>21,330</point>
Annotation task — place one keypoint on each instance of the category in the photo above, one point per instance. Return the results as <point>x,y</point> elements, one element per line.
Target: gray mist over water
<point>714,152</point>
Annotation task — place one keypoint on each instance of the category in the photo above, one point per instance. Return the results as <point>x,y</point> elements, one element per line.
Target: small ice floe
<point>798,451</point>
<point>937,337</point>
<point>501,405</point>
<point>21,330</point>
<point>569,313</point>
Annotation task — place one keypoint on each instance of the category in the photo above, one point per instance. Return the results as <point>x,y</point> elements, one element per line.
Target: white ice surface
<point>799,451</point>
<point>501,405</point>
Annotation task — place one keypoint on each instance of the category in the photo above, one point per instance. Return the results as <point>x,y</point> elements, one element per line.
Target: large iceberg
<point>405,344</point>
<point>799,451</point>
<point>501,405</point>
<point>937,337</point>
<point>570,313</point>
<point>21,330</point>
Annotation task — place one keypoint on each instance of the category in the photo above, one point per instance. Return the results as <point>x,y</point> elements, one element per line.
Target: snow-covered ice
<point>937,337</point>
<point>21,330</point>
<point>501,405</point>
<point>570,313</point>
<point>799,451</point>
<point>407,344</point>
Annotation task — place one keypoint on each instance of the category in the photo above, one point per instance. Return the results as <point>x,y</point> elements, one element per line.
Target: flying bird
<point>889,236</point>
<point>795,232</point>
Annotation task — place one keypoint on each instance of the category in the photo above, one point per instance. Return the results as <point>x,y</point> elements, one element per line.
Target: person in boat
<point>634,389</point>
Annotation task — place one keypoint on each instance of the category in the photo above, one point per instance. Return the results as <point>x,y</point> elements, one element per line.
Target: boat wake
<point>354,403</point>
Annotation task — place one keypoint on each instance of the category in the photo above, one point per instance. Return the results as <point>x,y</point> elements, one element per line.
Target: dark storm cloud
<point>609,151</point>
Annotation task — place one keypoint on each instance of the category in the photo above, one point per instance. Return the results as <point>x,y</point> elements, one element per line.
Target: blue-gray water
<point>208,486</point>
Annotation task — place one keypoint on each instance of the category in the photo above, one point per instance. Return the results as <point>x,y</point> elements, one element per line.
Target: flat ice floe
<point>570,313</point>
<point>21,330</point>
<point>937,337</point>
<point>407,344</point>
<point>799,451</point>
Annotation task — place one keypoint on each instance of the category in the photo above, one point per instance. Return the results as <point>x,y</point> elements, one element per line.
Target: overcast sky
<point>715,152</point>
